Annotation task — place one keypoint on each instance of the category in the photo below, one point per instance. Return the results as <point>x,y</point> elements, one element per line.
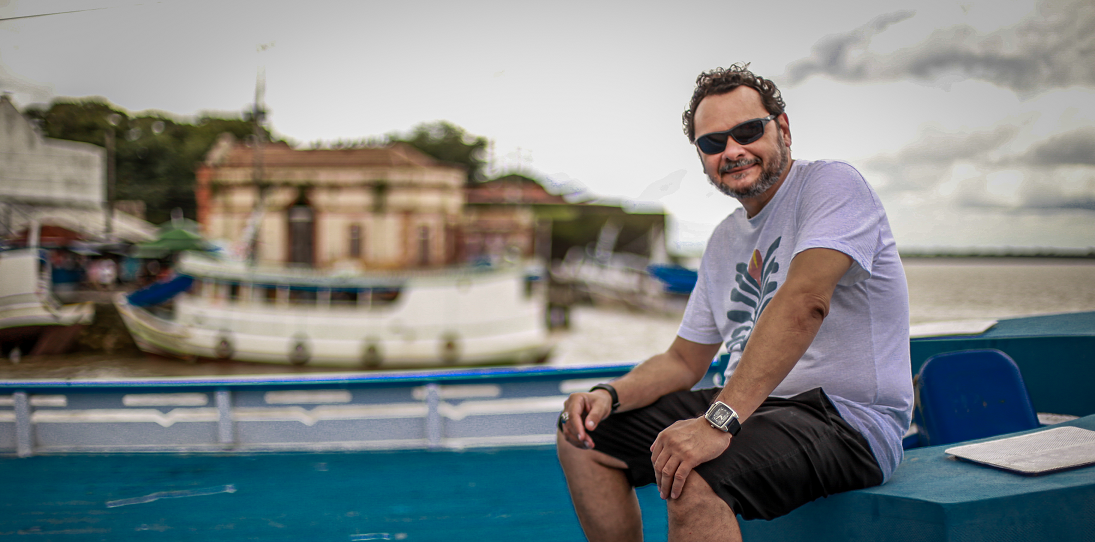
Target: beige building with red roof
<point>356,208</point>
<point>508,216</point>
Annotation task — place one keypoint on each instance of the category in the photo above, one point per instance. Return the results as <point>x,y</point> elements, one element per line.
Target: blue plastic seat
<point>969,395</point>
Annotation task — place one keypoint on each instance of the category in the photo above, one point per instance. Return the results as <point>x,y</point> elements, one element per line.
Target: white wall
<point>43,171</point>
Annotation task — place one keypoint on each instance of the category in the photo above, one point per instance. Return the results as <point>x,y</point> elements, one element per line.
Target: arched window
<point>301,234</point>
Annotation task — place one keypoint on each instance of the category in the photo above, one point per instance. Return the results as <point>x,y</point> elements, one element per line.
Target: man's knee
<point>696,502</point>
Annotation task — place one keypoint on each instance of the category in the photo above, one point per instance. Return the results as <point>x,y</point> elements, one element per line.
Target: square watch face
<point>720,416</point>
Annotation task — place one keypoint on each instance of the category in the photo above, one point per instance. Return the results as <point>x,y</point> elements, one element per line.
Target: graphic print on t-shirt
<point>755,289</point>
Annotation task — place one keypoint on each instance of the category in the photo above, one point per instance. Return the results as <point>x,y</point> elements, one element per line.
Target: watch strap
<point>611,391</point>
<point>733,427</point>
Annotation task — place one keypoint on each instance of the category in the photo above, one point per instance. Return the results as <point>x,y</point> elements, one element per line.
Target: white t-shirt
<point>860,357</point>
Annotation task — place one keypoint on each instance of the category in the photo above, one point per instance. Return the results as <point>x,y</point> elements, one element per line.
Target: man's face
<point>745,172</point>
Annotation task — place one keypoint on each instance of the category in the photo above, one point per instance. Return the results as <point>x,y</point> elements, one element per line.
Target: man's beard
<point>769,175</point>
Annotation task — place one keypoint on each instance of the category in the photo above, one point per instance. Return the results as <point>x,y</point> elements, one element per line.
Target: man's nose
<point>733,152</point>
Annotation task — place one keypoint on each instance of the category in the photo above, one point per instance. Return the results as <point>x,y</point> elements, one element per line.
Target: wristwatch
<point>723,418</point>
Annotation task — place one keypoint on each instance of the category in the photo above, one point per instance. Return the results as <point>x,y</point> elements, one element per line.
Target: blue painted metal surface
<point>364,411</point>
<point>489,494</point>
<point>500,494</point>
<point>934,497</point>
<point>1055,353</point>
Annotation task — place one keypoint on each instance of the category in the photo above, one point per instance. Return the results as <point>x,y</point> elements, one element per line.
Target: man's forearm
<point>679,368</point>
<point>781,336</point>
<point>785,329</point>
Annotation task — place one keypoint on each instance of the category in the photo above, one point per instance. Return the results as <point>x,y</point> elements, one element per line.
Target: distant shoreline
<point>1090,255</point>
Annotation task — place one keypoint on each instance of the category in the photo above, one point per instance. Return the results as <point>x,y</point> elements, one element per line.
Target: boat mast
<point>254,226</point>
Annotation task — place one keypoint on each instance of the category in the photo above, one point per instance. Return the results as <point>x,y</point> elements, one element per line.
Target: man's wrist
<point>714,430</point>
<point>612,395</point>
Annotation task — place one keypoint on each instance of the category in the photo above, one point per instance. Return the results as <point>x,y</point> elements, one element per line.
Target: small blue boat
<point>677,279</point>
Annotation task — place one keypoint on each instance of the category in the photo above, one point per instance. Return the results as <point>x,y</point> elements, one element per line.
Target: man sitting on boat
<point>804,287</point>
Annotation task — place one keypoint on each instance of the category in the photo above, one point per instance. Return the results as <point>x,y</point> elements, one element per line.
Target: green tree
<point>447,142</point>
<point>155,155</point>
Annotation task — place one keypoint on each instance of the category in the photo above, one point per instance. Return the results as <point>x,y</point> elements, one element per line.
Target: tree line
<point>156,154</point>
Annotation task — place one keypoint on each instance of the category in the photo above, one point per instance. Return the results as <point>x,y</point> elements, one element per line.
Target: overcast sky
<point>975,121</point>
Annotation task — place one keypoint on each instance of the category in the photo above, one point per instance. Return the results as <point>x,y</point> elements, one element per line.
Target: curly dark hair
<point>723,80</point>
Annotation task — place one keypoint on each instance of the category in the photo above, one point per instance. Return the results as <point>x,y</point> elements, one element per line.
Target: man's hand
<point>680,448</point>
<point>585,410</point>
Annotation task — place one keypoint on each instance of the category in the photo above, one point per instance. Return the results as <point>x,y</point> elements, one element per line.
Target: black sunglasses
<point>744,133</point>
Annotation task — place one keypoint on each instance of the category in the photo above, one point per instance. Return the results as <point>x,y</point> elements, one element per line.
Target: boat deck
<point>488,494</point>
<point>934,497</point>
<point>212,468</point>
<point>406,495</point>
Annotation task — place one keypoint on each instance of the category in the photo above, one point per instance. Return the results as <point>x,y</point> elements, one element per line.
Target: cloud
<point>1083,203</point>
<point>1071,148</point>
<point>925,162</point>
<point>946,148</point>
<point>1051,47</point>
<point>833,55</point>
<point>975,169</point>
<point>1055,189</point>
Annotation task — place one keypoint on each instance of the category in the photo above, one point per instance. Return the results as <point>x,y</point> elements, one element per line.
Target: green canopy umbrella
<point>170,241</point>
<point>191,226</point>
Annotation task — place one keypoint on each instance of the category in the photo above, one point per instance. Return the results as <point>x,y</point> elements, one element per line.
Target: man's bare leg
<point>604,500</point>
<point>700,514</point>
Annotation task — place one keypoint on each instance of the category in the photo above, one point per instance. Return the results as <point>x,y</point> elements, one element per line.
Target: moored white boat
<point>30,314</point>
<point>467,316</point>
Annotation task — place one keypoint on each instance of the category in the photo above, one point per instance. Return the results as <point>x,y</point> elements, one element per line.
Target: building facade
<point>56,182</point>
<point>509,217</point>
<point>388,207</point>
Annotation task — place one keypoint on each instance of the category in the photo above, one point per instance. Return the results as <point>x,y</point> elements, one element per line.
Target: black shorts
<point>788,453</point>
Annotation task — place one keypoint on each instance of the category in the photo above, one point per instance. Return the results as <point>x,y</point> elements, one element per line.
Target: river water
<point>940,289</point>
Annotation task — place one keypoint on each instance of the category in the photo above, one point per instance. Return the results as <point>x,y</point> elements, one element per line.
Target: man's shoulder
<point>836,168</point>
<point>831,177</point>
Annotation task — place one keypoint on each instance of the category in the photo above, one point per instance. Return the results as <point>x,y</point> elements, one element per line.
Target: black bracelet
<point>611,391</point>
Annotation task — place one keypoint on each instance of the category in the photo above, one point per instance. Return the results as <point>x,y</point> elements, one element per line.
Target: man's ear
<point>784,128</point>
